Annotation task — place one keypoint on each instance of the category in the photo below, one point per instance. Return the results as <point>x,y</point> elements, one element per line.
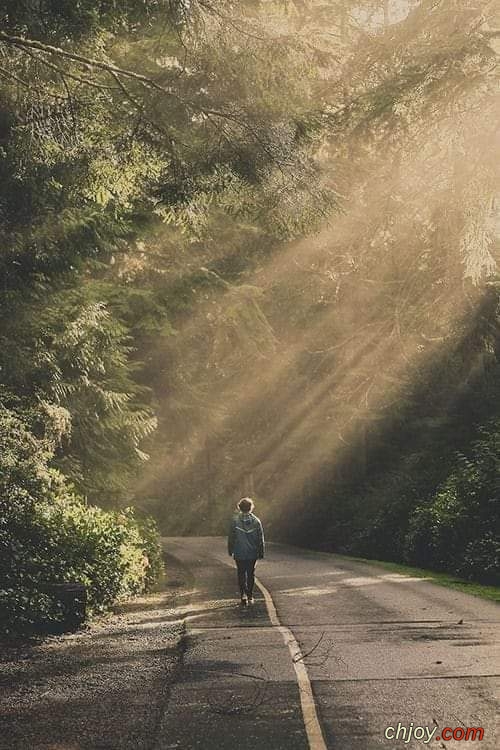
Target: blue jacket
<point>246,537</point>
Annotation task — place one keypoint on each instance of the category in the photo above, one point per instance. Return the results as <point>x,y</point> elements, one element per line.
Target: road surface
<point>380,650</point>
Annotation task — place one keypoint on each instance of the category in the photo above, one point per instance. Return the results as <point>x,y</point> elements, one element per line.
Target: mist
<point>319,365</point>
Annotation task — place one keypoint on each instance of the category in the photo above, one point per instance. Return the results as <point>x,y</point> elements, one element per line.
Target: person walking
<point>245,543</point>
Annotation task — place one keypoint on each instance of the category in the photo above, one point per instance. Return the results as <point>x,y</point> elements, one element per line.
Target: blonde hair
<point>246,505</point>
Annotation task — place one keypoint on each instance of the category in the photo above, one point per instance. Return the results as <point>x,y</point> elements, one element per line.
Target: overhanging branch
<point>88,62</point>
<point>115,71</point>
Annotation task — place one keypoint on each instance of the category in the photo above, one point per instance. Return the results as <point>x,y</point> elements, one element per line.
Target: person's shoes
<point>244,600</point>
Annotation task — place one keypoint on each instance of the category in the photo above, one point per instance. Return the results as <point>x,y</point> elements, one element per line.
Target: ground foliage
<point>50,535</point>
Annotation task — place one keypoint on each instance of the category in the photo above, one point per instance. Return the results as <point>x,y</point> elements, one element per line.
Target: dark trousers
<point>246,576</point>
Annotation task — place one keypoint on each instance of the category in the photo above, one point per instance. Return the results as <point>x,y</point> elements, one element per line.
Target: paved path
<point>379,648</point>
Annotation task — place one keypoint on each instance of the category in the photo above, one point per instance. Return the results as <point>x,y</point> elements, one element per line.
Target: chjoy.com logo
<point>403,733</point>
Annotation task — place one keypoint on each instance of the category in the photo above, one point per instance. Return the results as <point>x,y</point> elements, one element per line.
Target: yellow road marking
<point>309,714</point>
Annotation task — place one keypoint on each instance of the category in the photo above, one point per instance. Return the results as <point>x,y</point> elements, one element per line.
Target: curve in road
<point>393,650</point>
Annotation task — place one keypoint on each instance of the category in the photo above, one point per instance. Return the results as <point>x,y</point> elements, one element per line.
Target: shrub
<point>458,530</point>
<point>482,559</point>
<point>49,535</point>
<point>152,549</point>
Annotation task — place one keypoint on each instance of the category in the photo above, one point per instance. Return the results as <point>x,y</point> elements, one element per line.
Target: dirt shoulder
<point>104,687</point>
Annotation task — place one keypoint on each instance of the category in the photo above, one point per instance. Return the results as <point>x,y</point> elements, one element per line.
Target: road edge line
<point>310,717</point>
<point>312,726</point>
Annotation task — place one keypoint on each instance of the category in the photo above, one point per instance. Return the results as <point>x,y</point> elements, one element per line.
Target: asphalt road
<point>381,650</point>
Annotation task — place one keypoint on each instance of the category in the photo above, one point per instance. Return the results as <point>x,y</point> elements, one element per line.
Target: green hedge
<point>438,512</point>
<point>458,529</point>
<point>49,535</point>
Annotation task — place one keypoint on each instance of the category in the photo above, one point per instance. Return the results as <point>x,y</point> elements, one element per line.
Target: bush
<point>48,535</point>
<point>152,549</point>
<point>482,559</point>
<point>458,530</point>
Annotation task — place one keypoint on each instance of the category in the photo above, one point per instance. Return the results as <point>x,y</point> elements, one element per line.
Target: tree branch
<point>8,75</point>
<point>67,74</point>
<point>29,46</point>
<point>88,62</point>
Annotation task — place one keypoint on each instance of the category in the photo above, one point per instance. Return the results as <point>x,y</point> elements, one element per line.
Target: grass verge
<point>492,593</point>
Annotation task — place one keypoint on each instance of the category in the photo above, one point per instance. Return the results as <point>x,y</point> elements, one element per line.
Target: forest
<point>246,248</point>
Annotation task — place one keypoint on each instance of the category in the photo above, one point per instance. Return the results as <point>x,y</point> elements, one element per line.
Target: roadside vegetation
<point>490,593</point>
<point>48,535</point>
